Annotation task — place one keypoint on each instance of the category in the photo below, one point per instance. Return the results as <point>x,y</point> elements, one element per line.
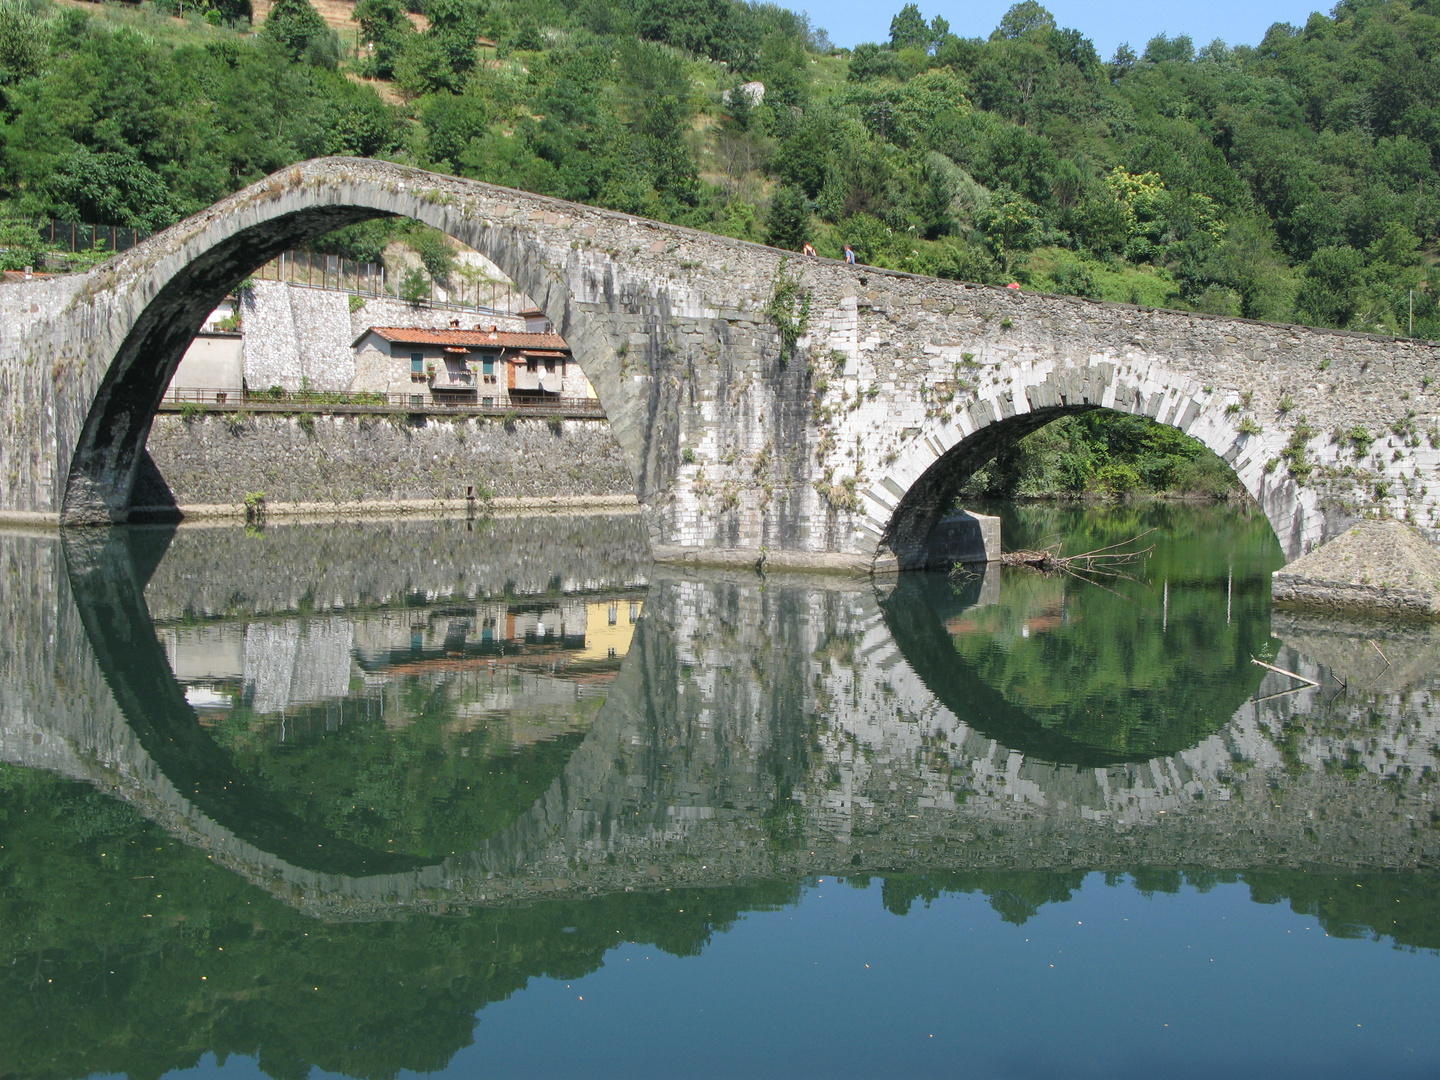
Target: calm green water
<point>500,798</point>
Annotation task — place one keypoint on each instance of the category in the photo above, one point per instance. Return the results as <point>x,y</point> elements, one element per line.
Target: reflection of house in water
<point>542,667</point>
<point>1033,604</point>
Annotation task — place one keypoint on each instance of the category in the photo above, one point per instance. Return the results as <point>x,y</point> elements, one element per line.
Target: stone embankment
<point>352,463</point>
<point>210,571</point>
<point>1376,567</point>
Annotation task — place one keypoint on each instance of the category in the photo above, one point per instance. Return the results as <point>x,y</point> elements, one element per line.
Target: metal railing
<point>76,236</point>
<point>202,399</point>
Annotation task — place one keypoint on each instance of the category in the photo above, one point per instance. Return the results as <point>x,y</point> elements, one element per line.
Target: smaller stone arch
<point>899,510</point>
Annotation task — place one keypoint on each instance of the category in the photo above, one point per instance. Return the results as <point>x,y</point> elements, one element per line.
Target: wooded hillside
<point>1289,180</point>
<point>1293,179</point>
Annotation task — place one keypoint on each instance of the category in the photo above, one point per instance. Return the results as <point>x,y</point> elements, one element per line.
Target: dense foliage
<point>1289,180</point>
<point>1293,179</point>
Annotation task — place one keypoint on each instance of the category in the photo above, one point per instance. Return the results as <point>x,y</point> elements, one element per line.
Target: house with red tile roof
<point>481,365</point>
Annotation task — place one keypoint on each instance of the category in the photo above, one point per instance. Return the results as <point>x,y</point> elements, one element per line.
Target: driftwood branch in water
<point>1102,562</point>
<point>1282,671</point>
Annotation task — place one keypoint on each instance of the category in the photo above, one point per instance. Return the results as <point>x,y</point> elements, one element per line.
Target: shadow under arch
<point>171,282</point>
<point>909,496</point>
<point>916,612</point>
<point>107,572</point>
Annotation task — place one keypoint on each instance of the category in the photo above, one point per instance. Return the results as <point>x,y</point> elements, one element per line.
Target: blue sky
<point>1106,23</point>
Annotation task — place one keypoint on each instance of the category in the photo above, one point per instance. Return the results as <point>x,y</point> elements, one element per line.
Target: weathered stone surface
<point>1379,566</point>
<point>899,389</point>
<point>358,459</point>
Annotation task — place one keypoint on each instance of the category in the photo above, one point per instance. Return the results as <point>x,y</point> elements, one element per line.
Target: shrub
<point>1117,479</point>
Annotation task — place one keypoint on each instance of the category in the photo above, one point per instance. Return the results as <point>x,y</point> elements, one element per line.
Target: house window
<point>550,367</point>
<point>487,401</point>
<point>416,400</point>
<point>487,366</point>
<point>417,363</point>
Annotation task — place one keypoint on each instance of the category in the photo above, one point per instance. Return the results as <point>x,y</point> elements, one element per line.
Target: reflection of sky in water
<point>1107,983</point>
<point>1111,983</point>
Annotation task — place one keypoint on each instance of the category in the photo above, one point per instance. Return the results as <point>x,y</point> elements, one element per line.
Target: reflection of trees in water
<point>182,958</point>
<point>1069,672</point>
<point>421,777</point>
<point>1403,909</point>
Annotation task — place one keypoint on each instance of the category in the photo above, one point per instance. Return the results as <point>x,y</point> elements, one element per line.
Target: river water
<point>498,797</point>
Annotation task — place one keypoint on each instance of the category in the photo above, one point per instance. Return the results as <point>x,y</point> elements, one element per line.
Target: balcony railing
<point>189,399</point>
<point>457,380</point>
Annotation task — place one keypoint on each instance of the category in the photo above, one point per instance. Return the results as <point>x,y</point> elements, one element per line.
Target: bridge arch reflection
<point>755,728</point>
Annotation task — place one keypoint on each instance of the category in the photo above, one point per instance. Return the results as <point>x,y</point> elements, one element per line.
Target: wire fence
<point>373,279</point>
<point>73,236</point>
<point>466,292</point>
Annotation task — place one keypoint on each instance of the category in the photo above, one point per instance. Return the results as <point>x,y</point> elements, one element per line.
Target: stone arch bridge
<point>839,441</point>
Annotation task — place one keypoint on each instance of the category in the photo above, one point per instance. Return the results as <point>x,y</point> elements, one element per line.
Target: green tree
<point>1011,224</point>
<point>297,29</point>
<point>111,188</point>
<point>1026,17</point>
<point>788,224</point>
<point>1330,290</point>
<point>908,29</point>
<point>383,29</point>
<point>24,42</point>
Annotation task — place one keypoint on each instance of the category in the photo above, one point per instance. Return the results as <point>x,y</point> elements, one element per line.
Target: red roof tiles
<point>474,339</point>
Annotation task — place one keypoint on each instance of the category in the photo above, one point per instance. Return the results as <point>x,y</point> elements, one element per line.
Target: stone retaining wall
<point>305,458</point>
<point>293,332</point>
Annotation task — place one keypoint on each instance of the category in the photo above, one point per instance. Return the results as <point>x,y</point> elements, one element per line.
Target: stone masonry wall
<point>848,443</point>
<point>350,459</point>
<point>293,332</point>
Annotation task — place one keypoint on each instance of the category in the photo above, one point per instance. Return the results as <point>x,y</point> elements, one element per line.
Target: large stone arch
<point>163,290</point>
<point>902,507</point>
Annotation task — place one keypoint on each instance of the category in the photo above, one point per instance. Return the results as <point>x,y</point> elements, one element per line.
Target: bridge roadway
<point>757,730</point>
<point>837,442</point>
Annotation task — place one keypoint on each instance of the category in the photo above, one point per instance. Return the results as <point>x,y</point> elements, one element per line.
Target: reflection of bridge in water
<point>755,729</point>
